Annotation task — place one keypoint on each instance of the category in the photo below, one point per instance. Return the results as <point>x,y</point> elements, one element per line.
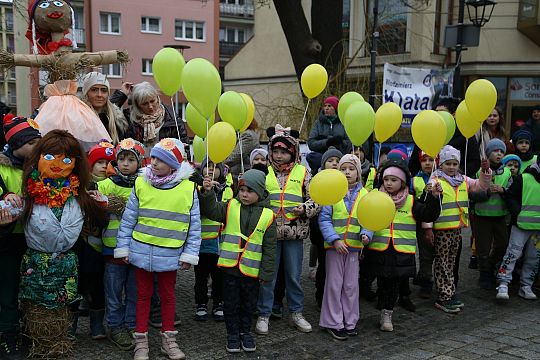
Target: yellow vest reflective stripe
<point>346,223</point>
<point>286,199</point>
<point>402,231</point>
<point>370,179</point>
<point>12,177</point>
<point>526,164</point>
<point>529,216</point>
<point>167,226</point>
<point>495,205</point>
<point>231,253</point>
<point>455,207</point>
<point>108,187</point>
<point>209,228</point>
<point>419,185</point>
<point>95,243</point>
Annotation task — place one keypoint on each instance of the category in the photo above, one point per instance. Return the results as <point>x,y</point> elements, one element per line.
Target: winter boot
<point>141,346</point>
<point>96,324</point>
<point>386,320</point>
<point>169,346</point>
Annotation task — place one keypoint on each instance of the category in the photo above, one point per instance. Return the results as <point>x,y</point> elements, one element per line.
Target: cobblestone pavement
<point>483,329</point>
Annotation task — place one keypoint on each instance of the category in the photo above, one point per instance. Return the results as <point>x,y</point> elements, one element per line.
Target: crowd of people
<point>143,211</point>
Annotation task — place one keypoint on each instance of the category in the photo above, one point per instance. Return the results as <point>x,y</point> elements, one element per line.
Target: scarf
<point>366,165</point>
<point>150,123</point>
<point>455,181</point>
<point>97,179</point>
<point>128,179</point>
<point>52,192</point>
<point>398,198</point>
<point>283,168</point>
<point>158,181</point>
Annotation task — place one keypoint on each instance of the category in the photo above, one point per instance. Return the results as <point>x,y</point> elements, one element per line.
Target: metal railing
<point>246,10</point>
<point>229,48</point>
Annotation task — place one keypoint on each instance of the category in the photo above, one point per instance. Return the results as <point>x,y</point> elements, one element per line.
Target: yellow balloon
<point>465,121</point>
<point>345,101</point>
<point>201,85</point>
<point>221,141</point>
<point>199,149</point>
<point>429,132</point>
<point>359,121</point>
<point>450,123</point>
<point>481,98</point>
<point>197,122</point>
<point>313,80</point>
<point>388,120</point>
<point>232,109</point>
<point>250,111</point>
<point>376,211</point>
<point>328,187</point>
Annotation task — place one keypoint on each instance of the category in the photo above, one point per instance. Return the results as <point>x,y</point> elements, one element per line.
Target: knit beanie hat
<point>495,144</point>
<point>397,172</point>
<point>522,134</point>
<point>170,151</point>
<point>255,152</point>
<point>332,100</point>
<point>19,130</point>
<point>204,165</point>
<point>449,153</point>
<point>132,146</point>
<point>94,78</point>
<point>398,153</point>
<point>511,157</point>
<point>422,155</point>
<point>331,152</point>
<point>352,159</point>
<point>102,151</point>
<point>255,180</point>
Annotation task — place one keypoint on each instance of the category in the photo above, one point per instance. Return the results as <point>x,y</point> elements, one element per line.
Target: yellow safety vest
<point>419,184</point>
<point>495,205</point>
<point>283,201</point>
<point>529,216</point>
<point>108,187</point>
<point>402,231</point>
<point>12,177</point>
<point>370,179</point>
<point>231,252</point>
<point>526,164</point>
<point>210,229</point>
<point>229,180</point>
<point>164,214</point>
<point>455,207</point>
<point>346,223</point>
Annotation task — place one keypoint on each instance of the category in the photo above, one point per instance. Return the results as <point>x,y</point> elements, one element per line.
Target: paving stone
<point>523,352</point>
<point>488,344</point>
<point>444,357</point>
<point>467,339</point>
<point>480,350</point>
<point>510,340</point>
<point>451,344</point>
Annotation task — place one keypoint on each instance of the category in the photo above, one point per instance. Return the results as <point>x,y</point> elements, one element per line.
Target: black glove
<point>197,178</point>
<point>334,141</point>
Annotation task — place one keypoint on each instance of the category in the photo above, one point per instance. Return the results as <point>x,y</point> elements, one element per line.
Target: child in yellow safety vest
<point>523,201</point>
<point>288,184</point>
<point>489,221</point>
<point>246,252</point>
<point>208,253</point>
<point>390,255</point>
<point>160,232</point>
<point>120,288</point>
<point>445,232</point>
<point>522,140</point>
<point>344,238</point>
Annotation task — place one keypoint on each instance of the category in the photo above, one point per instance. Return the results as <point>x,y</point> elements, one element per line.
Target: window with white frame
<point>109,23</point>
<point>235,35</point>
<point>150,25</point>
<point>189,30</point>
<point>147,66</point>
<point>112,70</point>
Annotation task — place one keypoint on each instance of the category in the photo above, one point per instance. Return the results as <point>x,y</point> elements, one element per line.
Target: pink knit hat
<point>332,100</point>
<point>397,172</point>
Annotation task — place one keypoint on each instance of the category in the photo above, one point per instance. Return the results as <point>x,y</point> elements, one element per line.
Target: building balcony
<point>529,19</point>
<point>227,48</point>
<point>246,10</point>
<point>79,36</point>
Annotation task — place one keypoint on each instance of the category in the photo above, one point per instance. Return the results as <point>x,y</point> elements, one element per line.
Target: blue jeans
<point>291,252</point>
<point>120,295</point>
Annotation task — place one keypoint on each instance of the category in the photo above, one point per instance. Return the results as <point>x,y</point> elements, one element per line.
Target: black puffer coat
<point>323,129</point>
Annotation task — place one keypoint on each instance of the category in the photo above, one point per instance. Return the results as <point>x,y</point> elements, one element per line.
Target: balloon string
<point>207,157</point>
<point>465,169</point>
<point>175,119</point>
<point>241,156</point>
<point>304,118</point>
<point>379,155</point>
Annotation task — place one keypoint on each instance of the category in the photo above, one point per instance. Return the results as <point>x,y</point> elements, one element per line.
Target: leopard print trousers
<point>445,249</point>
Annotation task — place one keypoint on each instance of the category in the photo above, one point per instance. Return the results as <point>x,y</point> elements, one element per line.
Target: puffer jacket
<point>249,217</point>
<point>323,129</point>
<point>154,258</point>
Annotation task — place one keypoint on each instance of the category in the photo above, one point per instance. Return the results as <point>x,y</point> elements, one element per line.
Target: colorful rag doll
<point>57,209</point>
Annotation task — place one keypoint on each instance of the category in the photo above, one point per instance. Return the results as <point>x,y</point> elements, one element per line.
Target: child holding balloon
<point>390,255</point>
<point>445,233</point>
<point>343,239</point>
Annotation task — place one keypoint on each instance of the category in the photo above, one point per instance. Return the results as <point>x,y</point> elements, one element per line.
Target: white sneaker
<point>502,293</point>
<point>262,325</point>
<point>301,323</point>
<point>526,293</point>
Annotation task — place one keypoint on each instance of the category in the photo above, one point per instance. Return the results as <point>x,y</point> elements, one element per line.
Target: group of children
<point>163,217</point>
